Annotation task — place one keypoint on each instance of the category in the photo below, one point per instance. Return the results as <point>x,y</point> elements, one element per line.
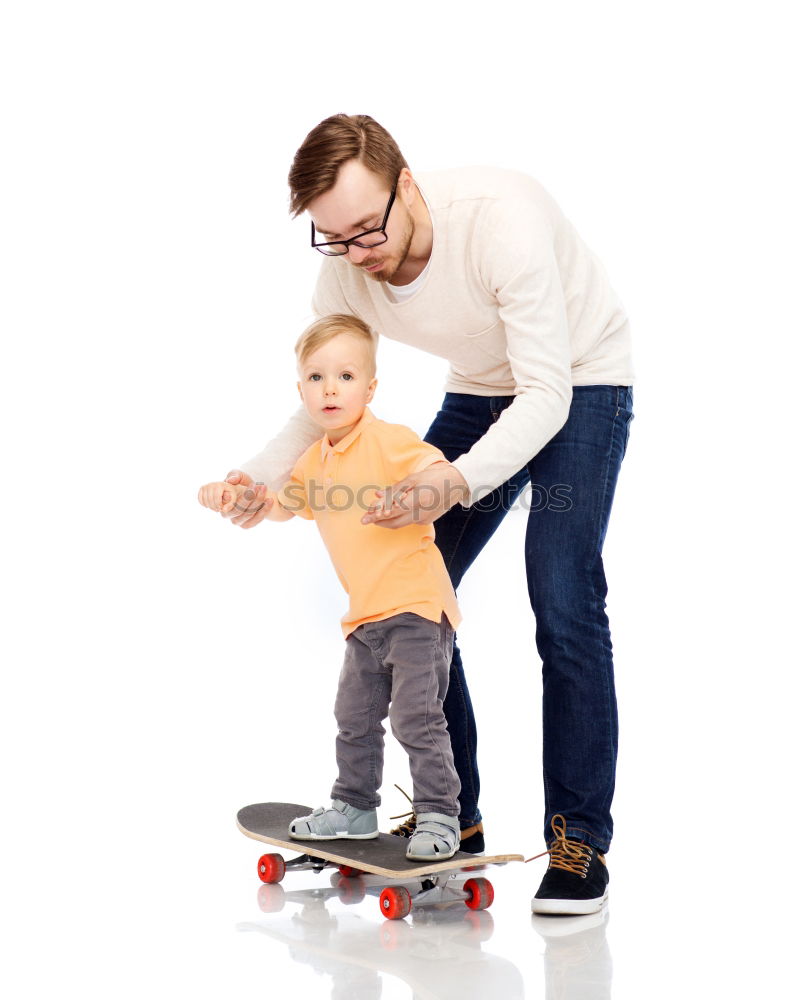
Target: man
<point>479,266</point>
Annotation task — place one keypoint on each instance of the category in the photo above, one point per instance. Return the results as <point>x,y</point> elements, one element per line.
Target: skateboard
<point>384,857</point>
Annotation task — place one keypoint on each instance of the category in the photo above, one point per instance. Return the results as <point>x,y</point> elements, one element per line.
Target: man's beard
<point>394,263</point>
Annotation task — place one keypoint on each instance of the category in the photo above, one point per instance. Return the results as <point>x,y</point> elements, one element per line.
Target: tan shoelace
<point>566,854</point>
<point>405,829</point>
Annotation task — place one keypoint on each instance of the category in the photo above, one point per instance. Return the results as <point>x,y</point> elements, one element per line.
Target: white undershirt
<point>401,293</point>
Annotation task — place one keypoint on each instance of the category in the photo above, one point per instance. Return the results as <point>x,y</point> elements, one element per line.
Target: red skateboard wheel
<point>271,868</point>
<point>348,872</point>
<point>395,902</point>
<point>481,893</point>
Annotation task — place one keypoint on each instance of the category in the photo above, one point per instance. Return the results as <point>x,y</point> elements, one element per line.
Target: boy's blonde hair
<point>328,327</point>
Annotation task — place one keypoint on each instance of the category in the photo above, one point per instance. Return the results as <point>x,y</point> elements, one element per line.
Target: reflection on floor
<point>439,952</point>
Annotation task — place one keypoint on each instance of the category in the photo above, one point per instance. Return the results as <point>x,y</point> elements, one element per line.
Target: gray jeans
<point>403,662</point>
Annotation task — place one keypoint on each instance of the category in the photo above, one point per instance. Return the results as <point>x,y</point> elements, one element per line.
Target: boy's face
<point>336,384</point>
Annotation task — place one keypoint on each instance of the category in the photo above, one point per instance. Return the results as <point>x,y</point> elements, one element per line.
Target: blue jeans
<point>573,479</point>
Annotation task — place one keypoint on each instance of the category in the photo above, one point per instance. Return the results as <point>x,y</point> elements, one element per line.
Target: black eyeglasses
<point>377,236</point>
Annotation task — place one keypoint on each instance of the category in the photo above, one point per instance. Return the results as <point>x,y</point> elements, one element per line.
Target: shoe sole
<point>431,857</point>
<point>336,836</point>
<point>569,907</point>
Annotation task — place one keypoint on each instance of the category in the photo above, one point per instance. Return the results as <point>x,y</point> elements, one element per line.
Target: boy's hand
<point>252,506</point>
<point>222,497</point>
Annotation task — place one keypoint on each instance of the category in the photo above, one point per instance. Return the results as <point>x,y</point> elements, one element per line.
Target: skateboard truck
<point>397,902</point>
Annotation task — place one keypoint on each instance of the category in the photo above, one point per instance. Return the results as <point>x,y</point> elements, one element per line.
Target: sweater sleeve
<point>275,463</point>
<point>517,265</point>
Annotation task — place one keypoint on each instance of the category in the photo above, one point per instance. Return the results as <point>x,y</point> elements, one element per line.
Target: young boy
<point>402,608</point>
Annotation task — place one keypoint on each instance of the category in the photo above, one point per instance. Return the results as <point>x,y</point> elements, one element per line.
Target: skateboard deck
<point>385,855</point>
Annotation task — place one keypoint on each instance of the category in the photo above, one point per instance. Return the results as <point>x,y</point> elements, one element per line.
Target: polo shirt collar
<point>327,448</point>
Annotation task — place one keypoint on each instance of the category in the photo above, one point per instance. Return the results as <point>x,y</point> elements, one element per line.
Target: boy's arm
<point>275,510</point>
<point>226,497</point>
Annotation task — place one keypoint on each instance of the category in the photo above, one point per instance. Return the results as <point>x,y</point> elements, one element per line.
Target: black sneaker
<point>576,881</point>
<point>472,839</point>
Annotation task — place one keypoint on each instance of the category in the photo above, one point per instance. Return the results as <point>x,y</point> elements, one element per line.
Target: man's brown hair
<point>332,143</point>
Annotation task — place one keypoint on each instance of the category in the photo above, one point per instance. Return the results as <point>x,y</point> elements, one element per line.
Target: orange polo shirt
<point>385,571</point>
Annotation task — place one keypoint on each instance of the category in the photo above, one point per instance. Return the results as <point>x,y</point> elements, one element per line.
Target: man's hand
<point>420,498</point>
<point>252,506</point>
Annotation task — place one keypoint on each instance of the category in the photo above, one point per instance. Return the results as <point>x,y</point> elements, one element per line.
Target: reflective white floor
<point>324,936</point>
<point>170,916</point>
<point>333,929</point>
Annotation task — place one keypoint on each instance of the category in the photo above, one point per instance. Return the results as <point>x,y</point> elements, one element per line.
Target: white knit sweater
<point>513,300</point>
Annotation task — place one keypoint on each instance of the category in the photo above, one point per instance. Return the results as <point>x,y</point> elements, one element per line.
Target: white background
<point>164,668</point>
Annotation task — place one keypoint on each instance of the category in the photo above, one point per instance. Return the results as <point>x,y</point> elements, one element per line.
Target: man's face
<point>356,203</point>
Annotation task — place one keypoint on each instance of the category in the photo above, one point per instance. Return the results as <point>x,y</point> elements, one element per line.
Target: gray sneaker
<point>436,837</point>
<point>340,822</point>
